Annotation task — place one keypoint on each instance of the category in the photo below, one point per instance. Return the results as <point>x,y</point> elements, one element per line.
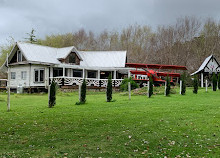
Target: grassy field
<point>175,126</point>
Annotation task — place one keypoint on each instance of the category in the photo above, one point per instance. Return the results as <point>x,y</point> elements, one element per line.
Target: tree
<point>167,86</point>
<point>124,84</point>
<point>109,89</point>
<point>183,78</point>
<point>219,81</point>
<point>32,37</point>
<point>83,93</point>
<point>214,82</point>
<point>150,87</point>
<point>195,84</point>
<point>52,96</point>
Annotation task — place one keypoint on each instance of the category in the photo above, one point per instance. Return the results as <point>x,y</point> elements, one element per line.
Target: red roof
<point>156,66</point>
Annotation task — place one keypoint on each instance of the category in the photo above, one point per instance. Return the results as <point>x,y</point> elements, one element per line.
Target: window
<point>57,72</point>
<point>91,74</point>
<point>23,75</point>
<point>19,56</point>
<point>13,75</point>
<point>72,58</point>
<point>39,75</point>
<point>77,73</point>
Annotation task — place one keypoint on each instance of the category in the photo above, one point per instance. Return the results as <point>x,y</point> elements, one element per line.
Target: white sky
<point>18,17</point>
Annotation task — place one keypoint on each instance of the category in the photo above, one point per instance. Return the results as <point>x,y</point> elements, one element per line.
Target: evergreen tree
<point>214,82</point>
<point>167,86</point>
<point>150,87</point>
<point>109,89</point>
<point>183,78</point>
<point>195,84</point>
<point>83,92</point>
<point>52,96</point>
<point>32,37</point>
<point>219,81</point>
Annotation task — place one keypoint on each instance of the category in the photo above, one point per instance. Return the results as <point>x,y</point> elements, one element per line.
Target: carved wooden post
<point>165,88</point>
<point>8,85</point>
<point>80,87</point>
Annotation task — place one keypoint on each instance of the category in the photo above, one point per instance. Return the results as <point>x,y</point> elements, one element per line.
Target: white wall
<point>29,81</point>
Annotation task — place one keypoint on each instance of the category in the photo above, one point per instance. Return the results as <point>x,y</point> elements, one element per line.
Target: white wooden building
<point>208,67</point>
<point>34,66</point>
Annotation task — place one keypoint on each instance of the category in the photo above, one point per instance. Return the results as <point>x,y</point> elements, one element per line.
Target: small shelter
<point>209,66</point>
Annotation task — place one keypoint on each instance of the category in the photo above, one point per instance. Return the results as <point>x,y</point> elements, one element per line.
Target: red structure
<point>158,77</point>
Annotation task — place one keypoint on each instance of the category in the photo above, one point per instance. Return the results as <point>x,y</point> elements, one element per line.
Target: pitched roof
<point>103,58</point>
<point>205,62</point>
<point>45,54</point>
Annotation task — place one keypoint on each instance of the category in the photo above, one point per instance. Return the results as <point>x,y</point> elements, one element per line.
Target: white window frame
<point>13,77</point>
<point>38,72</point>
<point>18,51</point>
<point>23,75</point>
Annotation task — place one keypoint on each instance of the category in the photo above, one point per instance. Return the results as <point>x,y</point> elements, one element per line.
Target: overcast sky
<point>18,17</point>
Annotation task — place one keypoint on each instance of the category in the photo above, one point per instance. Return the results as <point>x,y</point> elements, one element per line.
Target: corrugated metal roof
<point>203,65</point>
<point>45,54</point>
<point>103,58</point>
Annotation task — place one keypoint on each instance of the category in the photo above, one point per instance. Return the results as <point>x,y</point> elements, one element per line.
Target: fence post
<point>80,86</point>
<point>181,82</point>
<point>129,90</point>
<point>148,88</point>
<point>165,88</point>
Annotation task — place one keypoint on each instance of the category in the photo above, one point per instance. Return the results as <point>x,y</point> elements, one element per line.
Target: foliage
<point>82,94</point>
<point>32,37</point>
<point>183,78</point>
<point>219,81</point>
<point>109,89</point>
<point>167,86</point>
<point>195,84</point>
<point>214,82</point>
<point>150,86</point>
<point>124,84</point>
<point>52,97</point>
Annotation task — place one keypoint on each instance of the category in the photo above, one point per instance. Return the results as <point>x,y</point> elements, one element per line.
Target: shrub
<point>219,81</point>
<point>124,84</point>
<point>109,89</point>
<point>183,78</point>
<point>150,86</point>
<point>195,84</point>
<point>52,96</point>
<point>214,82</point>
<point>167,86</point>
<point>83,92</point>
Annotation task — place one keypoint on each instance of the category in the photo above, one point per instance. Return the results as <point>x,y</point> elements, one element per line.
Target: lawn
<point>175,126</point>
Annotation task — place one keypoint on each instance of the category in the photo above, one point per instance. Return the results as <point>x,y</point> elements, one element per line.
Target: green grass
<point>142,127</point>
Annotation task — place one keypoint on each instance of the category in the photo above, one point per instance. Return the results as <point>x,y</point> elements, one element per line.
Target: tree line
<point>187,42</point>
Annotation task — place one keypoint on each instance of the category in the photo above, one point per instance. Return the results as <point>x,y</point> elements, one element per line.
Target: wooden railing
<point>69,81</point>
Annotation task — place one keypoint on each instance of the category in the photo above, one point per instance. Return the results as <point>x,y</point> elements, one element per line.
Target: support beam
<point>115,74</point>
<point>202,80</point>
<point>98,74</point>
<point>206,85</point>
<point>181,82</point>
<point>83,73</point>
<point>63,71</point>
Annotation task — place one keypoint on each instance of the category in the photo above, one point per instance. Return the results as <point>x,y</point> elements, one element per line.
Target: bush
<point>124,84</point>
<point>150,87</point>
<point>195,84</point>
<point>52,96</point>
<point>183,78</point>
<point>214,82</point>
<point>219,81</point>
<point>83,92</point>
<point>109,89</point>
<point>167,86</point>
